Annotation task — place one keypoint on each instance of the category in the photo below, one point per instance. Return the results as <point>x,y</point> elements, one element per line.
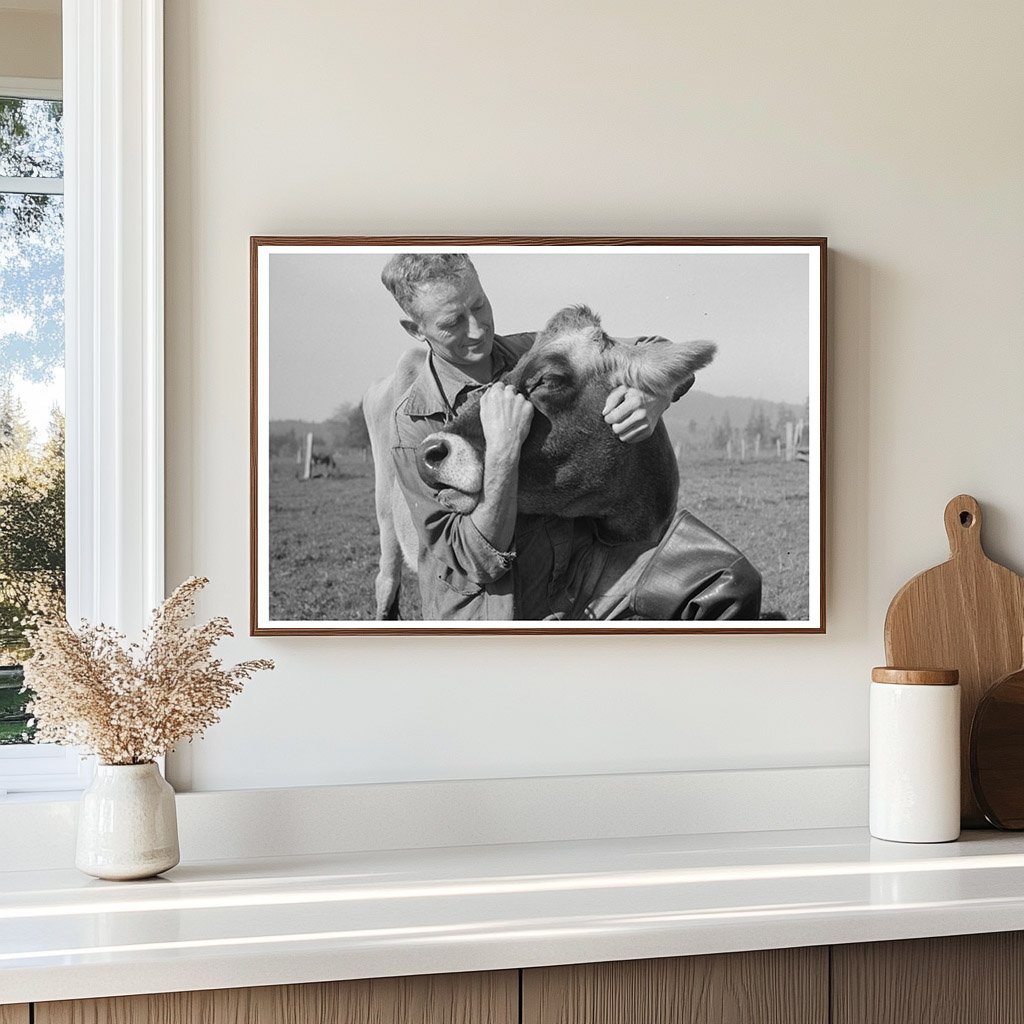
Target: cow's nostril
<point>435,453</point>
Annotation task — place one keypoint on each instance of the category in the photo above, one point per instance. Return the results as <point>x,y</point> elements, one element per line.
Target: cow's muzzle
<point>450,464</point>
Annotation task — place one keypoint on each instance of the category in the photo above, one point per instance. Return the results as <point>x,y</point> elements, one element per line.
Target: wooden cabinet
<point>778,986</point>
<point>491,998</point>
<point>968,979</point>
<point>963,979</point>
<point>972,979</point>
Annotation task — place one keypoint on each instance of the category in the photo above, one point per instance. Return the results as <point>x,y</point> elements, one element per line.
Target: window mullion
<point>32,186</point>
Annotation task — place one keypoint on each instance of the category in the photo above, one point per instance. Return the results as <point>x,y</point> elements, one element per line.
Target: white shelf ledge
<point>283,920</point>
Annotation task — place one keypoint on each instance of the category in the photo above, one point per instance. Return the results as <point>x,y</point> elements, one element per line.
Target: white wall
<point>894,129</point>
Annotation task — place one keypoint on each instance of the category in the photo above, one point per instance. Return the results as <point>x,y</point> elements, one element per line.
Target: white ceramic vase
<point>127,825</point>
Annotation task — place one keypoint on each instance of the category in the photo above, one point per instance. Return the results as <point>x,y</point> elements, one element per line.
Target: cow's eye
<point>552,382</point>
<point>551,394</point>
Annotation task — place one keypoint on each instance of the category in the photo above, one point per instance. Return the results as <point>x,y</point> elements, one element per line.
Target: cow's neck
<point>653,500</point>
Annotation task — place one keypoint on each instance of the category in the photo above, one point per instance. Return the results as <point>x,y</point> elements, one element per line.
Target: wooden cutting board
<point>967,614</point>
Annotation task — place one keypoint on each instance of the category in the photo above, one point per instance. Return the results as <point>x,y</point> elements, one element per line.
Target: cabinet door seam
<point>830,988</point>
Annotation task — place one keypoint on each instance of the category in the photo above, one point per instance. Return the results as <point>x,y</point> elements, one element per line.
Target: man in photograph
<point>490,563</point>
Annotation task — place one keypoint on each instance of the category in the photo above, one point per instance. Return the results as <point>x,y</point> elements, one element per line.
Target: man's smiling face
<point>454,318</point>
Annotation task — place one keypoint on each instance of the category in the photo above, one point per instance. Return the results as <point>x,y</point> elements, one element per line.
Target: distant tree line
<point>766,420</point>
<point>31,525</point>
<point>344,429</point>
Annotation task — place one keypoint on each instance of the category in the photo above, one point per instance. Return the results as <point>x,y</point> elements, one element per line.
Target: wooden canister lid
<point>916,676</point>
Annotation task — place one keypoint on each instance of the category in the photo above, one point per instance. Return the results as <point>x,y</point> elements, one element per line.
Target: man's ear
<point>412,329</point>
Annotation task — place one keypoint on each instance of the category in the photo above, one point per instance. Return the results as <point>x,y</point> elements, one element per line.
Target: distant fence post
<point>308,457</point>
<point>801,453</point>
<point>743,448</point>
<point>757,445</point>
<point>728,449</point>
<point>790,446</point>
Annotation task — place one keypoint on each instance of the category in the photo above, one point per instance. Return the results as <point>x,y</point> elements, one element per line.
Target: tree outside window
<point>31,386</point>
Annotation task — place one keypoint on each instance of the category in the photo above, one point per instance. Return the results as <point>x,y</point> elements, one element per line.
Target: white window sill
<point>41,797</point>
<point>243,824</point>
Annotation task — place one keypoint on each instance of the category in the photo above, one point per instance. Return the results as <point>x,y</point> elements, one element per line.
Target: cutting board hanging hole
<point>963,526</point>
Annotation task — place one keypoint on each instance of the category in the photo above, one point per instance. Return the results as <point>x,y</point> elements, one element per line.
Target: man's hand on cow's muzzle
<point>633,414</point>
<point>505,416</point>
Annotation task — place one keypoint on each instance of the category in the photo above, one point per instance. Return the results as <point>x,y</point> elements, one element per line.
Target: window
<point>32,534</point>
<point>31,382</point>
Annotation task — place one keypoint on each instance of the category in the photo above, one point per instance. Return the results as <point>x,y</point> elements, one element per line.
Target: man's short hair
<point>404,273</point>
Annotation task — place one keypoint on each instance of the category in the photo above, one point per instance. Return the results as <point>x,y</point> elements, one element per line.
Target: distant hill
<point>698,420</point>
<point>703,408</point>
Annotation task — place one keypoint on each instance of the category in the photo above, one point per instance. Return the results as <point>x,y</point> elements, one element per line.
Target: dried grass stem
<point>130,703</point>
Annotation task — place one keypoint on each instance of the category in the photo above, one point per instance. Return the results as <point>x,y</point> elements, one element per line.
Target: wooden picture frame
<point>748,439</point>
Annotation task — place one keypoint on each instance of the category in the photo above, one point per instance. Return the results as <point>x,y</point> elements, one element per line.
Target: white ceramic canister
<point>915,755</point>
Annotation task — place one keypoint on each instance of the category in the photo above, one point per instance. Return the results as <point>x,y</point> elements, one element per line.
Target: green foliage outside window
<point>31,352</point>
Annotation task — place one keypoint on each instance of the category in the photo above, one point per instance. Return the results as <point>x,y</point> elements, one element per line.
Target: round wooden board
<point>997,752</point>
<point>968,614</point>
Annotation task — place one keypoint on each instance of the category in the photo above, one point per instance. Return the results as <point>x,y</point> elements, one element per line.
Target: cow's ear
<point>659,369</point>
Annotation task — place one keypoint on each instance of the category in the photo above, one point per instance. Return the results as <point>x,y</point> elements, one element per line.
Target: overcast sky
<point>334,328</point>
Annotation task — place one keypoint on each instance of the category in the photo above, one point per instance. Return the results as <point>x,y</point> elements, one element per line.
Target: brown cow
<point>572,464</point>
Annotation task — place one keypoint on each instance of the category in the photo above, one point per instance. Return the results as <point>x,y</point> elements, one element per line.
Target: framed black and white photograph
<point>537,435</point>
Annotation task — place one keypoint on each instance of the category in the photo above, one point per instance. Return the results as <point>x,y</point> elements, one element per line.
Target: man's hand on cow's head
<point>505,417</point>
<point>633,414</point>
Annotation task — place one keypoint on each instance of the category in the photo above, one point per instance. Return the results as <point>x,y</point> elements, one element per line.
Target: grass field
<point>323,545</point>
<point>762,507</point>
<point>323,534</point>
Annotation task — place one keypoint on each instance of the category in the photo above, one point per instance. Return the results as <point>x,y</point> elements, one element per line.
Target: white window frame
<point>114,336</point>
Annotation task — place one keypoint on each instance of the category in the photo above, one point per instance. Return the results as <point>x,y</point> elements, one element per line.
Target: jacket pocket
<point>453,580</point>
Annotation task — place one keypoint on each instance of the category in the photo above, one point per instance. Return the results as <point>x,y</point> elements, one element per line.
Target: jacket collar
<point>423,397</point>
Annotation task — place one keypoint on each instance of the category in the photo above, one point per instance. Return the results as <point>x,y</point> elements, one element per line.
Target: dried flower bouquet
<point>129,704</point>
